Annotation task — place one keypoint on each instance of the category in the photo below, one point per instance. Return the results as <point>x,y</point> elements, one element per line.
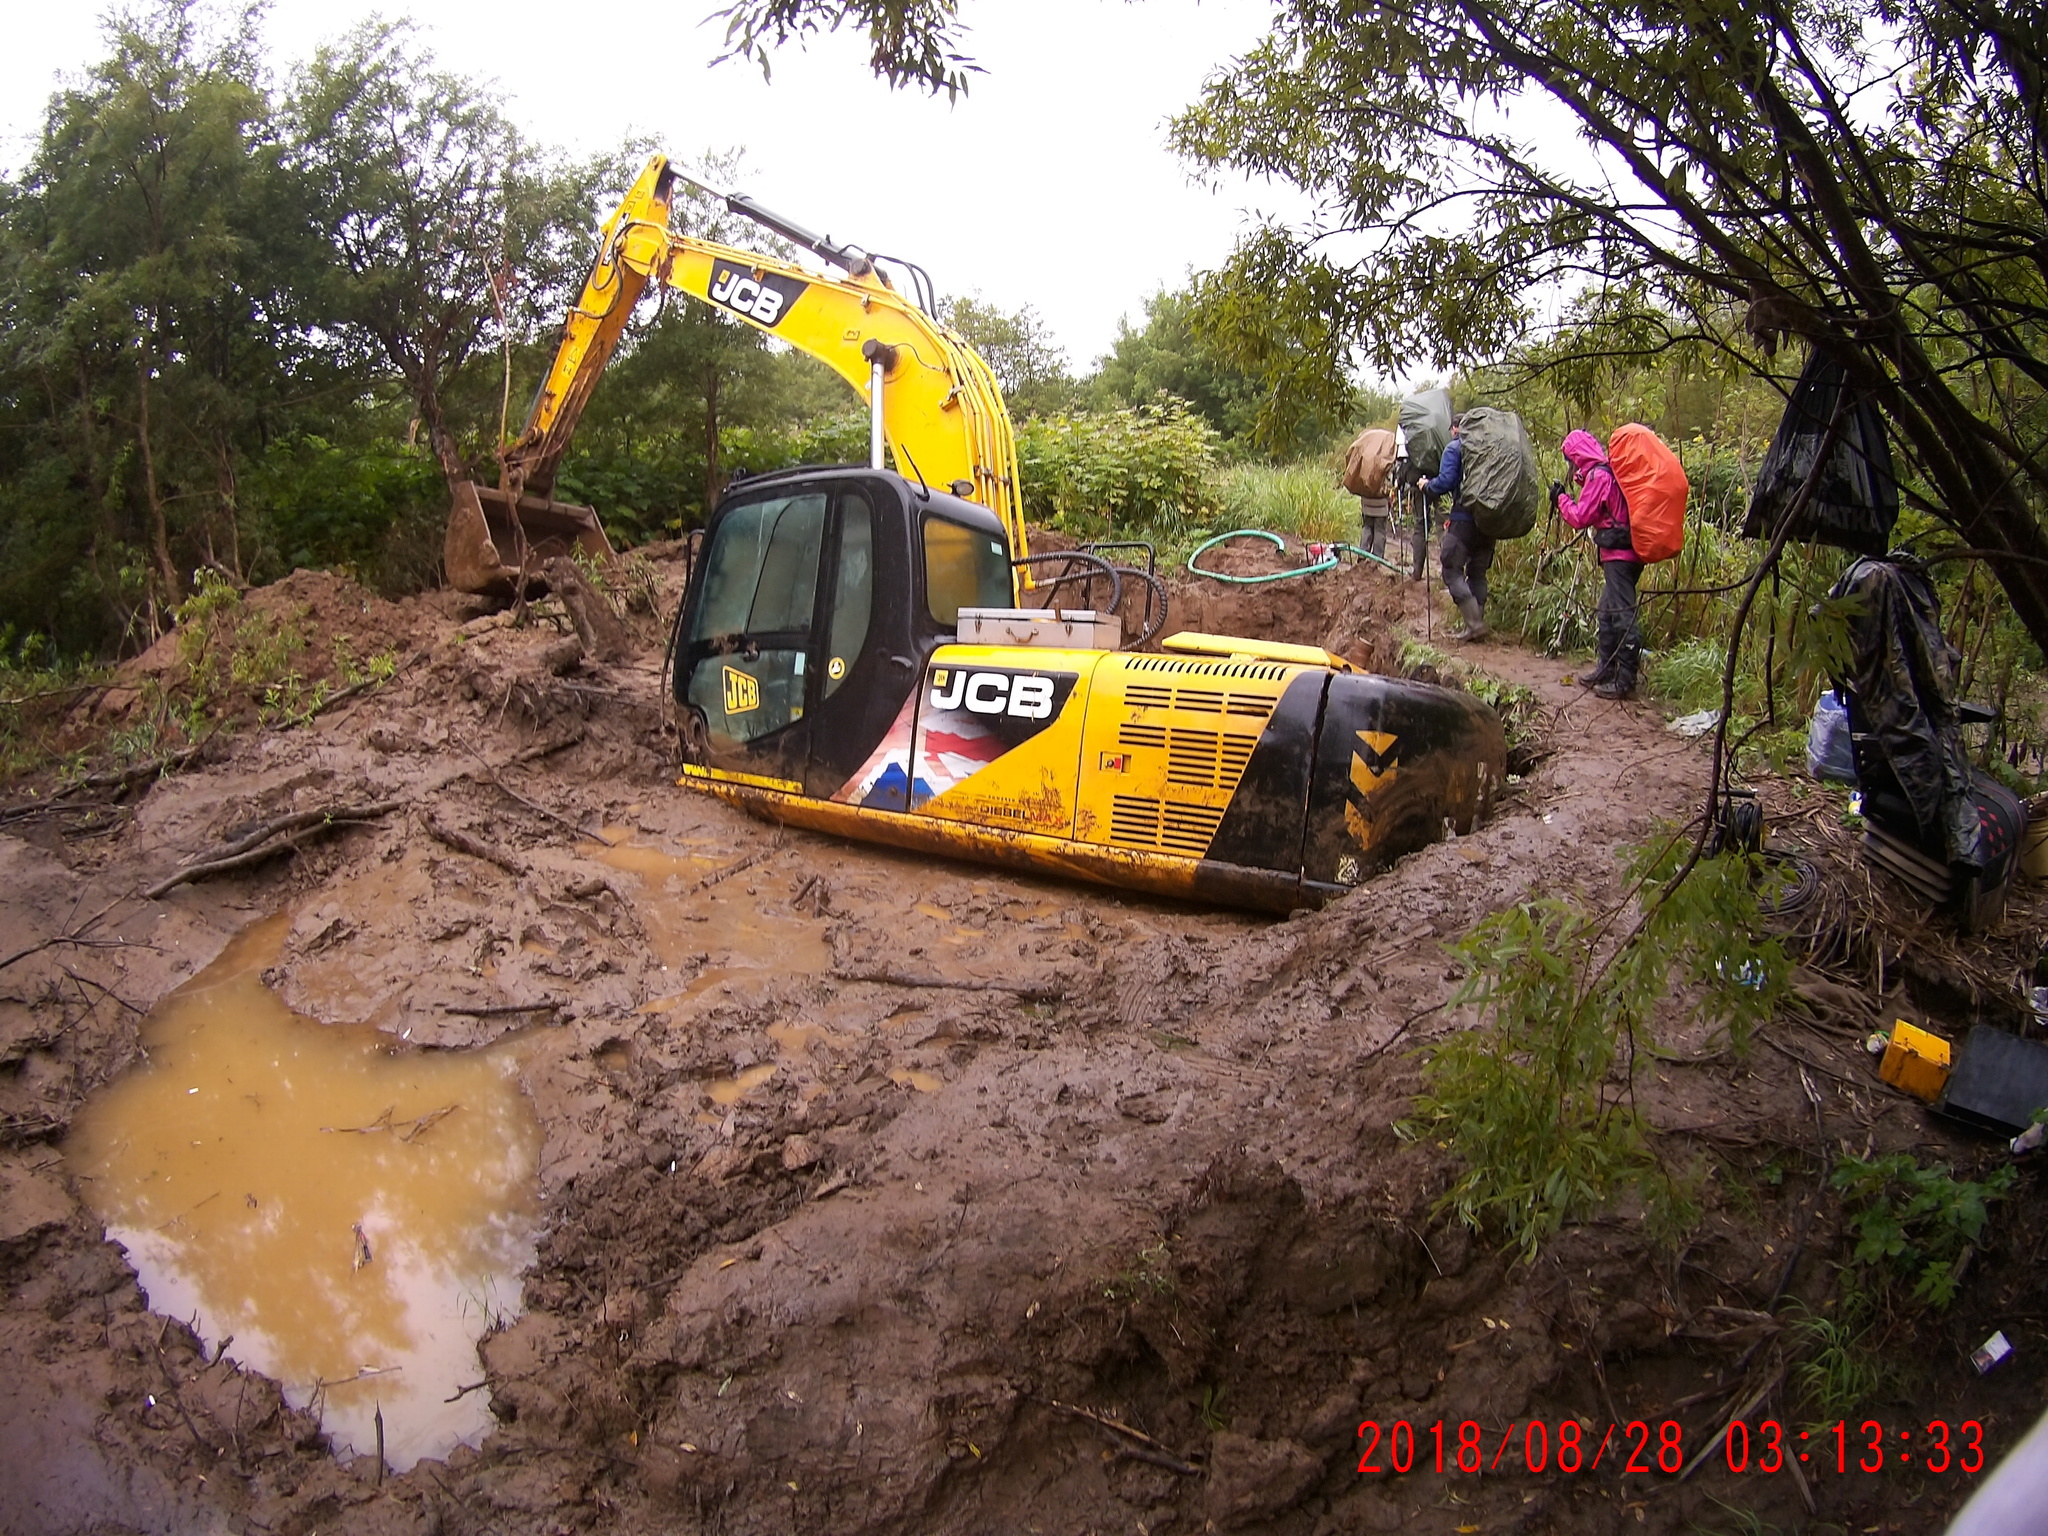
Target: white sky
<point>1049,184</point>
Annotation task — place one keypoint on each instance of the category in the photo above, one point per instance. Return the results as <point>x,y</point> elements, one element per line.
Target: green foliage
<point>1534,1103</point>
<point>1304,499</point>
<point>226,648</point>
<point>1123,471</point>
<point>1912,1222</point>
<point>1165,357</point>
<point>1839,1367</point>
<point>1911,1226</point>
<point>1148,1277</point>
<point>377,509</point>
<point>1020,350</point>
<point>38,687</point>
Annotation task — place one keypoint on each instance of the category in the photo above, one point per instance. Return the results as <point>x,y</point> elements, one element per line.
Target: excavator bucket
<point>482,551</point>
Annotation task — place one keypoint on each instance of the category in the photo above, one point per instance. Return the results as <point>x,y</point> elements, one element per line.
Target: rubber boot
<point>1622,683</point>
<point>1475,620</point>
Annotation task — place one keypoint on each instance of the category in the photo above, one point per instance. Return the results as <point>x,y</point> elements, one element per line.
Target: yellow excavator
<point>853,653</point>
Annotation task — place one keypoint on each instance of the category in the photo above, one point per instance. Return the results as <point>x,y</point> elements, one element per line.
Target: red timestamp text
<point>1936,1446</point>
<point>1538,1447</point>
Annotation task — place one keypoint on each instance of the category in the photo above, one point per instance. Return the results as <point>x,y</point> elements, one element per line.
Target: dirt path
<point>1053,1208</point>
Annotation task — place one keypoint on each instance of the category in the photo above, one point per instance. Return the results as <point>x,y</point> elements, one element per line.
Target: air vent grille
<point>1135,822</point>
<point>1141,736</point>
<point>1200,701</point>
<point>1252,671</point>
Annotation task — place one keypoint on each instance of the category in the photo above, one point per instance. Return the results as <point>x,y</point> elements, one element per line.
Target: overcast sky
<point>1050,184</point>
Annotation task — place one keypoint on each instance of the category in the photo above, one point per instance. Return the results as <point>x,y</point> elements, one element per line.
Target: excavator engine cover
<point>481,551</point>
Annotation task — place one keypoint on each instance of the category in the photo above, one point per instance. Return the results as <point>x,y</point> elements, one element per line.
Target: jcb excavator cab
<point>817,598</point>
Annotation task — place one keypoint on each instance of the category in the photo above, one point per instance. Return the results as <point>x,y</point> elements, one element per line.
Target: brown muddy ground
<point>1055,1210</point>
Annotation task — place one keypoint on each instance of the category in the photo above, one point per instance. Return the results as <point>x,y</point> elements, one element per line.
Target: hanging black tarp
<point>1856,500</point>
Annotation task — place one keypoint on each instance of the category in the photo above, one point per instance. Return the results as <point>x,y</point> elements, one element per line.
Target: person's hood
<point>1582,451</point>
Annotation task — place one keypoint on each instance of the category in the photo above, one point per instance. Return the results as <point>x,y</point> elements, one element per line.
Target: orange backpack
<point>1654,484</point>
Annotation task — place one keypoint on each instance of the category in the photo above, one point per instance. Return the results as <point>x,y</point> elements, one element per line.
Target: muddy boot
<point>1475,620</point>
<point>1621,683</point>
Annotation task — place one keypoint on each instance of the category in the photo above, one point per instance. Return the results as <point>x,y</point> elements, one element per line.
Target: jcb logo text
<point>992,693</point>
<point>763,298</point>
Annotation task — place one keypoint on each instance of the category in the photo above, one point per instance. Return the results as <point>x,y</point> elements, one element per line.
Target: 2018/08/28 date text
<point>1536,1447</point>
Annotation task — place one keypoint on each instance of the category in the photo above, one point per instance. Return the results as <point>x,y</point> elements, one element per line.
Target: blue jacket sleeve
<point>1448,472</point>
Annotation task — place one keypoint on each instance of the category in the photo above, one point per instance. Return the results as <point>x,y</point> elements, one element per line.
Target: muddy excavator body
<point>833,669</point>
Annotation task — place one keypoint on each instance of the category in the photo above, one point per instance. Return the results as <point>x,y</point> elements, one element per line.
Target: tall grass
<point>1303,499</point>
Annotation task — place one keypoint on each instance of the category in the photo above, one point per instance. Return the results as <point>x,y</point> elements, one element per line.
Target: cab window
<point>762,573</point>
<point>963,568</point>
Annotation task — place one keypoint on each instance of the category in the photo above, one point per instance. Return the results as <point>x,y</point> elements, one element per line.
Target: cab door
<point>786,655</point>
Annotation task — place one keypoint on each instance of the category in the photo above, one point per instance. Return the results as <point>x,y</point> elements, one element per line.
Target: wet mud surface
<point>873,1193</point>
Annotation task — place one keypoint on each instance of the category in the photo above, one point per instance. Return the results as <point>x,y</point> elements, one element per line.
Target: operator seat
<point>1948,832</point>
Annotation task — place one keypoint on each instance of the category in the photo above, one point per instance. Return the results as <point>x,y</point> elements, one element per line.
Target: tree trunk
<point>230,502</point>
<point>713,480</point>
<point>159,530</point>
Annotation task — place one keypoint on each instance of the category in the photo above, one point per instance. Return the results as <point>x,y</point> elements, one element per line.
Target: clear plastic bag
<point>1829,752</point>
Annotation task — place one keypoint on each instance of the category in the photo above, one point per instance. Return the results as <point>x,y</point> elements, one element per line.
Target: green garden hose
<point>1251,581</point>
<point>1331,551</point>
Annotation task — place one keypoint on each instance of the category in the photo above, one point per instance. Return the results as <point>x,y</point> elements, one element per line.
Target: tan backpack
<point>1369,463</point>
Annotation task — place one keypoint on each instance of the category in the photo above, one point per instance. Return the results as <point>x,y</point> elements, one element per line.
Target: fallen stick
<point>1743,1411</point>
<point>249,837</point>
<point>244,851</point>
<point>546,748</point>
<point>121,778</point>
<point>1135,1441</point>
<point>497,1010</point>
<point>559,820</point>
<point>476,848</point>
<point>732,869</point>
<point>75,936</point>
<point>1029,991</point>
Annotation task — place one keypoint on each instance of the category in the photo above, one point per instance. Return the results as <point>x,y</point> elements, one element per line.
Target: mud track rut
<point>1059,1210</point>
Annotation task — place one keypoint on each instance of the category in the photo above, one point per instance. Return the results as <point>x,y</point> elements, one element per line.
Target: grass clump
<point>1303,500</point>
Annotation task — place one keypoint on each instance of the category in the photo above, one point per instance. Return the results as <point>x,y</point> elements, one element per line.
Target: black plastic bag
<point>1856,500</point>
<point>1901,682</point>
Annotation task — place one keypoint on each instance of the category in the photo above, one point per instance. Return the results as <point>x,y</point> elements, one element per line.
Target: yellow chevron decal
<point>1373,768</point>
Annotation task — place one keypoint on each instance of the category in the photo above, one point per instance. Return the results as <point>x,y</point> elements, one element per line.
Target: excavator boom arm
<point>942,410</point>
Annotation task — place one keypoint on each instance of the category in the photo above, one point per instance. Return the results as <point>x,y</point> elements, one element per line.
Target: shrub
<point>1148,469</point>
<point>1535,1103</point>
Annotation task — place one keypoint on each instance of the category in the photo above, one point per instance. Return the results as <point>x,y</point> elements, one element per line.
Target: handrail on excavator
<point>933,398</point>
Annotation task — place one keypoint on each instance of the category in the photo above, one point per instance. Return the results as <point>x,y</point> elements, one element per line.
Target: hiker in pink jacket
<point>1601,508</point>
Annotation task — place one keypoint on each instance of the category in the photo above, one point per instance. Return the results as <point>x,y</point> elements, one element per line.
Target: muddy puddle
<point>342,1216</point>
<point>705,929</point>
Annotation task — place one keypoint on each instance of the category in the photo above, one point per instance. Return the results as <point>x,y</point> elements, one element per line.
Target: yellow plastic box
<point>1915,1061</point>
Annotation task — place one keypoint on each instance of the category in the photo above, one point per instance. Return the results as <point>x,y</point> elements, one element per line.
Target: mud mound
<point>285,645</point>
<point>1351,610</point>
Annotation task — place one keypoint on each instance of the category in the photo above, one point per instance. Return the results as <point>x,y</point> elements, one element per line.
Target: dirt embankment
<point>1054,1208</point>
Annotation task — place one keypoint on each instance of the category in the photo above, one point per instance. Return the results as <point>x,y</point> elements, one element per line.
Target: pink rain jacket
<point>1600,503</point>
